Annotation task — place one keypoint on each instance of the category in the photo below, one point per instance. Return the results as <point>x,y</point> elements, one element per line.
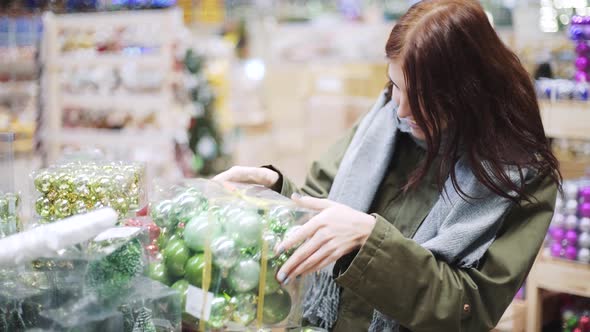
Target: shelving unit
<point>159,56</point>
<point>556,275</point>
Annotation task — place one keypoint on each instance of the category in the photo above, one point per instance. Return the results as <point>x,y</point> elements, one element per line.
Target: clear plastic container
<point>9,199</point>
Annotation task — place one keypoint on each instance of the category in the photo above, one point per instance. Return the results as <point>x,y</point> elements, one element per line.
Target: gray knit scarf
<point>457,230</point>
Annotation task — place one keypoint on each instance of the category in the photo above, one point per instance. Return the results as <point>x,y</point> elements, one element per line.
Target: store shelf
<point>118,101</point>
<point>82,21</point>
<point>113,138</point>
<point>79,60</point>
<point>514,318</point>
<point>557,275</point>
<point>566,119</point>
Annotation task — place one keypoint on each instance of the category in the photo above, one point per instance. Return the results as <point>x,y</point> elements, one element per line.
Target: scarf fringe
<point>320,305</point>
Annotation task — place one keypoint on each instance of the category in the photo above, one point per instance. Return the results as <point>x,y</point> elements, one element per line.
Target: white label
<point>117,232</point>
<point>196,301</point>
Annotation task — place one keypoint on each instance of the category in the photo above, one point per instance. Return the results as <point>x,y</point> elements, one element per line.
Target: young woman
<point>435,205</point>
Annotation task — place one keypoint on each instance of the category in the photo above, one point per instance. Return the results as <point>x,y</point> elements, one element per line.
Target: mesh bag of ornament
<point>77,187</point>
<point>569,233</point>
<point>217,244</point>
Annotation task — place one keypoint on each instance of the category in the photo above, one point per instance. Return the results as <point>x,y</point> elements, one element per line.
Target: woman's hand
<point>254,175</point>
<point>334,232</point>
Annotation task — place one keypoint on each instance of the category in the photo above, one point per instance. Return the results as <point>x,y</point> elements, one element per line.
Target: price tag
<point>196,301</point>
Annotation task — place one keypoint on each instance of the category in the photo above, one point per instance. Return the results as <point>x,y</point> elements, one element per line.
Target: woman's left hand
<point>334,232</point>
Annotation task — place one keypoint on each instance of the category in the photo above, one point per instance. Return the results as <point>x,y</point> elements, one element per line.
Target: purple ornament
<point>582,63</point>
<point>571,222</point>
<point>581,76</point>
<point>577,19</point>
<point>571,253</point>
<point>585,194</point>
<point>576,32</point>
<point>557,234</point>
<point>586,32</point>
<point>556,250</point>
<point>581,47</point>
<point>571,237</point>
<point>585,19</point>
<point>585,210</point>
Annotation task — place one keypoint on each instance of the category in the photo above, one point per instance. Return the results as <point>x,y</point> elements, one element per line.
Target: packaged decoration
<point>82,274</point>
<point>78,187</point>
<point>217,244</point>
<point>9,198</point>
<point>569,233</point>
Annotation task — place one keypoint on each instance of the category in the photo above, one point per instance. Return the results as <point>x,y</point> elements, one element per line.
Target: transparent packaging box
<point>9,198</point>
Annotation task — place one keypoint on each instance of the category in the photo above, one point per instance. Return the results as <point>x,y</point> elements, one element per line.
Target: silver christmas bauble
<point>558,220</point>
<point>585,225</point>
<point>571,222</point>
<point>571,191</point>
<point>584,255</point>
<point>245,228</point>
<point>244,309</point>
<point>584,240</point>
<point>225,252</point>
<point>558,204</point>
<point>200,228</point>
<point>571,207</point>
<point>244,276</point>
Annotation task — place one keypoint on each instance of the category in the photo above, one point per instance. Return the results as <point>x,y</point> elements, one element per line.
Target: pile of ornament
<point>82,274</point>
<point>9,209</point>
<point>78,187</point>
<point>220,241</point>
<point>569,233</point>
<point>575,315</point>
<point>580,33</point>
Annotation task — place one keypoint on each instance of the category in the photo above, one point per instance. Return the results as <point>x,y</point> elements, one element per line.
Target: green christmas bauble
<point>62,208</point>
<point>245,228</point>
<point>245,276</point>
<point>277,307</point>
<point>43,207</point>
<point>176,254</point>
<point>244,308</point>
<point>43,182</point>
<point>185,207</point>
<point>161,213</point>
<point>182,287</point>
<point>194,272</point>
<point>281,218</point>
<point>225,252</point>
<point>79,207</point>
<point>199,229</point>
<point>221,312</point>
<point>271,284</point>
<point>158,272</point>
<point>272,240</point>
<point>65,184</point>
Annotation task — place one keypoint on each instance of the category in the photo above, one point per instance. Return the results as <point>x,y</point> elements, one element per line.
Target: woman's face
<point>400,97</point>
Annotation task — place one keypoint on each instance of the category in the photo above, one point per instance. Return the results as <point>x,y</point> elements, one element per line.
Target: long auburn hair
<point>461,80</point>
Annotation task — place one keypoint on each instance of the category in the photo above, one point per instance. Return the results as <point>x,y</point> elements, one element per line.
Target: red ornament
<point>584,323</point>
<point>152,250</point>
<point>133,223</point>
<point>577,329</point>
<point>142,212</point>
<point>180,225</point>
<point>154,231</point>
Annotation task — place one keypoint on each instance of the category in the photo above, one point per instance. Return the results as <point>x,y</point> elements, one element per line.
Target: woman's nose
<point>403,111</point>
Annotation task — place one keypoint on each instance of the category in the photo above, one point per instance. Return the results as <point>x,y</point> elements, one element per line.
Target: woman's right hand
<point>253,175</point>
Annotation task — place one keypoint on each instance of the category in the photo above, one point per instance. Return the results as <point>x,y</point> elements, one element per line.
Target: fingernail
<point>286,282</point>
<point>281,277</point>
<point>280,250</point>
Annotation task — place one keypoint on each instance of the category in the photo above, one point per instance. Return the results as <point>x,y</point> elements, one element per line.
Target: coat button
<point>466,308</point>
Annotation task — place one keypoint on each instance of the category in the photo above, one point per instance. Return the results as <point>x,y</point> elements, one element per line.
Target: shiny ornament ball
<point>79,207</point>
<point>185,207</point>
<point>581,76</point>
<point>585,323</point>
<point>152,250</point>
<point>585,194</point>
<point>272,240</point>
<point>581,48</point>
<point>558,204</point>
<point>571,191</point>
<point>195,268</point>
<point>557,234</point>
<point>244,309</point>
<point>584,225</point>
<point>175,255</point>
<point>584,255</point>
<point>225,252</point>
<point>277,307</point>
<point>43,182</point>
<point>571,237</point>
<point>201,228</point>
<point>182,287</point>
<point>572,321</point>
<point>245,229</point>
<point>571,207</point>
<point>62,208</point>
<point>43,207</point>
<point>281,218</point>
<point>221,311</point>
<point>558,220</point>
<point>582,63</point>
<point>585,210</point>
<point>584,240</point>
<point>557,250</point>
<point>576,33</point>
<point>244,276</point>
<point>161,213</point>
<point>571,222</point>
<point>158,272</point>
<point>153,231</point>
<point>65,183</point>
<point>571,252</point>
<point>271,284</point>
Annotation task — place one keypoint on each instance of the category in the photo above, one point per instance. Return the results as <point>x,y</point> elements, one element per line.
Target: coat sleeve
<point>409,284</point>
